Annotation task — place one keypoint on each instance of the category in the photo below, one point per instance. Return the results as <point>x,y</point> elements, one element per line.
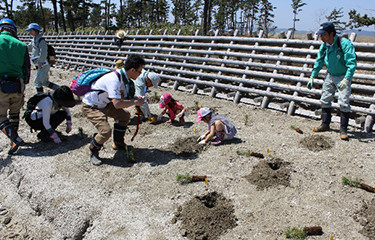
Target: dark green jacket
<point>14,57</point>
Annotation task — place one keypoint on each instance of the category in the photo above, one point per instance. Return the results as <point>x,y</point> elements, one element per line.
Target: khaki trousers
<point>99,118</point>
<point>12,102</point>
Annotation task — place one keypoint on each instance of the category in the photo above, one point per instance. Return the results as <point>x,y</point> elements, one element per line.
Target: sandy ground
<point>268,179</point>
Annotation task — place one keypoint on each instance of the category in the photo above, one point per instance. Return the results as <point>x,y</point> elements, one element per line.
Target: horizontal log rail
<point>240,69</point>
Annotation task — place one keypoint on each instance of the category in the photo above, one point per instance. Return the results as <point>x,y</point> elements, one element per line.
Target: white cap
<point>155,79</point>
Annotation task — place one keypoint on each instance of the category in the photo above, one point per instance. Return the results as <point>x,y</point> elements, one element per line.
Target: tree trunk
<point>62,15</point>
<point>70,21</point>
<point>121,13</point>
<point>54,3</point>
<point>294,25</point>
<point>9,9</point>
<point>43,17</point>
<point>206,16</point>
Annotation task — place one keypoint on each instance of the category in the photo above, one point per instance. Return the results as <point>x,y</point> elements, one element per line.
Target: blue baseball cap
<point>8,23</point>
<point>34,26</point>
<point>326,27</point>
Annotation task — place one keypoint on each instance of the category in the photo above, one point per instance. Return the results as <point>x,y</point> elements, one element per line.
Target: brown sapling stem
<point>196,178</point>
<point>315,230</point>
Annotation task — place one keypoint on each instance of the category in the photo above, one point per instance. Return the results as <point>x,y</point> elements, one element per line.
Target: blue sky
<point>316,10</point>
<point>313,13</point>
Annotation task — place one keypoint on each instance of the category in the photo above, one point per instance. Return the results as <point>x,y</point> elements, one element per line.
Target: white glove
<point>159,117</point>
<point>55,138</point>
<point>68,126</point>
<point>202,142</point>
<point>201,138</point>
<point>310,84</point>
<point>343,84</point>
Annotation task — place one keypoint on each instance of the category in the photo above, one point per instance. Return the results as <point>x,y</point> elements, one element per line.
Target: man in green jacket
<point>14,74</point>
<point>338,54</point>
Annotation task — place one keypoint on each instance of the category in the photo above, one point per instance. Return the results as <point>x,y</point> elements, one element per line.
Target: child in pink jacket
<point>173,108</point>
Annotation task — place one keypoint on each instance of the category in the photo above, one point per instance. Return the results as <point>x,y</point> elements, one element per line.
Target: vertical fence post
<point>369,122</point>
<point>237,97</point>
<point>170,52</point>
<point>292,104</point>
<point>159,45</point>
<point>266,100</point>
<point>213,90</point>
<point>195,88</point>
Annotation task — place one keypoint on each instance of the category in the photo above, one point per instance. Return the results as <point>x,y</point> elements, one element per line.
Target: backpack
<point>51,53</point>
<point>32,102</point>
<point>81,84</point>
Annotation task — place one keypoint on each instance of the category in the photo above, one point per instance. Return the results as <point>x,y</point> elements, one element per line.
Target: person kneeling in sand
<point>218,126</point>
<point>49,112</point>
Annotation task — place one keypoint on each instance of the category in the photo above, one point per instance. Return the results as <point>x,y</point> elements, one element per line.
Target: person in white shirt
<point>109,96</point>
<point>50,112</point>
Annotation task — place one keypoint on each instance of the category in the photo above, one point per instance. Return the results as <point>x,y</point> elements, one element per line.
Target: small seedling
<point>132,155</point>
<point>351,182</point>
<point>295,233</point>
<point>185,179</point>
<point>296,129</point>
<point>196,105</point>
<point>358,184</point>
<point>248,153</point>
<point>156,96</point>
<point>246,119</point>
<point>130,152</point>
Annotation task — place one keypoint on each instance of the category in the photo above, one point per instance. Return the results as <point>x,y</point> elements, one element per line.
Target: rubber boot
<point>326,120</point>
<point>182,120</point>
<point>219,138</point>
<point>118,137</point>
<point>39,90</point>
<point>53,86</point>
<point>94,152</point>
<point>344,121</point>
<point>7,128</point>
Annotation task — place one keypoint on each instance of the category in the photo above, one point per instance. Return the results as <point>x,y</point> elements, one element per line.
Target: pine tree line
<point>247,16</point>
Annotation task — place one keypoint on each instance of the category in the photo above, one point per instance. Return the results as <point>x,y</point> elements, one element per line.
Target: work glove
<point>202,142</point>
<point>310,84</point>
<point>343,84</point>
<point>201,138</point>
<point>159,117</point>
<point>55,138</point>
<point>68,126</point>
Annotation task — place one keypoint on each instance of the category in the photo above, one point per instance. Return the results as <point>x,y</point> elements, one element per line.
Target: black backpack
<point>32,102</point>
<point>51,53</point>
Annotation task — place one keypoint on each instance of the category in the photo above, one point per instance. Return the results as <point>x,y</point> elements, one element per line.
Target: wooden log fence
<point>270,73</point>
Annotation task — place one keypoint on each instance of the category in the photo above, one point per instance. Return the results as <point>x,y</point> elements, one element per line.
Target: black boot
<point>94,152</point>
<point>8,130</point>
<point>118,137</point>
<point>326,120</point>
<point>39,90</point>
<point>344,122</point>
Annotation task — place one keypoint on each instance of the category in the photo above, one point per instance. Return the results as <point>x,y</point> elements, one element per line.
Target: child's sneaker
<point>216,142</point>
